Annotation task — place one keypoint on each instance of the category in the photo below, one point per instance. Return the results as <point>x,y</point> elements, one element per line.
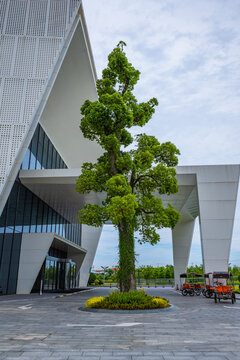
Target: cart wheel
<point>184,292</point>
<point>233,298</point>
<point>215,298</point>
<point>191,293</point>
<point>198,293</point>
<point>207,294</point>
<point>204,292</point>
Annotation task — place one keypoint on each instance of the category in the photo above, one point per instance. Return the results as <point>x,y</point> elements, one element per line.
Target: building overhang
<point>57,188</point>
<point>68,246</point>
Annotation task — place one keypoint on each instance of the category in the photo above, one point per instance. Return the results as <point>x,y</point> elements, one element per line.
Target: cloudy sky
<point>188,53</point>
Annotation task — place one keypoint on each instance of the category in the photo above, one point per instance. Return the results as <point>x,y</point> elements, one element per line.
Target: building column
<point>182,239</point>
<point>217,193</point>
<point>90,239</point>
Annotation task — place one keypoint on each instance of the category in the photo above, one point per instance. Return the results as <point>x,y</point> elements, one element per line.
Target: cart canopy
<point>222,275</point>
<point>207,275</point>
<point>185,275</point>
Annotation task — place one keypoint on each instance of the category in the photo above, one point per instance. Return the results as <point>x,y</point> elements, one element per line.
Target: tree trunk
<point>126,272</point>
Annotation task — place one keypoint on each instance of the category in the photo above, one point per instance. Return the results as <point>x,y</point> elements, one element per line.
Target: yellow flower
<point>94,301</point>
<point>160,302</point>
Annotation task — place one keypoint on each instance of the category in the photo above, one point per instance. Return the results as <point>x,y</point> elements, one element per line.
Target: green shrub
<point>133,300</point>
<point>92,278</point>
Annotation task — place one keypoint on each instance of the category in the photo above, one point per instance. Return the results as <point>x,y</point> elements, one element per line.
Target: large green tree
<point>131,179</point>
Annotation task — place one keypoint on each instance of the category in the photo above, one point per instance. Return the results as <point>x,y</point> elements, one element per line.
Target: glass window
<point>51,274</point>
<point>33,148</point>
<point>39,216</point>
<point>67,276</point>
<point>45,152</point>
<point>25,163</point>
<point>34,214</point>
<point>49,223</point>
<point>40,148</point>
<point>54,158</point>
<point>64,228</point>
<point>45,218</point>
<point>54,219</point>
<point>46,277</point>
<point>57,224</point>
<point>58,161</point>
<point>60,226</point>
<point>6,255</point>
<point>67,231</point>
<point>27,211</point>
<point>11,209</point>
<point>20,209</point>
<point>3,220</point>
<point>13,269</point>
<point>50,151</point>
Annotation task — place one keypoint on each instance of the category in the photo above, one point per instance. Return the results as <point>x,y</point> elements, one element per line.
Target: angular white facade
<point>46,73</point>
<point>213,198</point>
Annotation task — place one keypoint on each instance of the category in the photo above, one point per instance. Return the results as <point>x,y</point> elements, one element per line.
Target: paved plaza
<point>51,327</point>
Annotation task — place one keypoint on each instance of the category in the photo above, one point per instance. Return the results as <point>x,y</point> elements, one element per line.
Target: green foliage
<point>196,269</point>
<point>147,272</point>
<point>130,178</point>
<point>151,273</point>
<point>132,300</point>
<point>92,278</point>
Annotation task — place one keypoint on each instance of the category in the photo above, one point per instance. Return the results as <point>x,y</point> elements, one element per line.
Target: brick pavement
<point>47,327</point>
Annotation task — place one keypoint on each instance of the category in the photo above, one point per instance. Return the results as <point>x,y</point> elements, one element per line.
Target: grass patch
<point>133,300</point>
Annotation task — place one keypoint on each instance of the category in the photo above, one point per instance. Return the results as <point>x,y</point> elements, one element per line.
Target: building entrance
<point>59,274</point>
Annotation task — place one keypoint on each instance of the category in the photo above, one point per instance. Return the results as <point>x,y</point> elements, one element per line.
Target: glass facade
<point>25,212</point>
<point>41,153</point>
<point>59,274</point>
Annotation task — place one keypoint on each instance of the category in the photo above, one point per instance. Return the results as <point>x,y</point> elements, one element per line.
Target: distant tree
<point>235,270</point>
<point>108,273</point>
<point>169,272</point>
<point>130,178</point>
<point>147,273</point>
<point>91,279</point>
<point>195,268</point>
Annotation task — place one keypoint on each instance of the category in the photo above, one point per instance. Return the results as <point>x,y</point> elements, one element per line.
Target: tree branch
<point>143,176</point>
<point>148,212</point>
<point>125,86</point>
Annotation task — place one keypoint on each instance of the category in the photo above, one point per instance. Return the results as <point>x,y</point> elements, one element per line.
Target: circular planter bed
<point>131,301</point>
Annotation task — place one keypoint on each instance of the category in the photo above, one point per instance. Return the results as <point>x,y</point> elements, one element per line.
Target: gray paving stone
<point>178,357</point>
<point>84,358</point>
<point>204,357</point>
<point>14,354</point>
<point>130,352</point>
<point>113,357</point>
<point>196,330</point>
<point>147,358</point>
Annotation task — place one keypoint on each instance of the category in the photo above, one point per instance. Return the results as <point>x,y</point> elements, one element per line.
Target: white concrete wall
<point>217,187</point>
<point>217,193</point>
<point>90,239</point>
<point>182,240</point>
<point>33,252</point>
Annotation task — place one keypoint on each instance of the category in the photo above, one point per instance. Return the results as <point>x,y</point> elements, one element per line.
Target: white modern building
<point>46,73</point>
